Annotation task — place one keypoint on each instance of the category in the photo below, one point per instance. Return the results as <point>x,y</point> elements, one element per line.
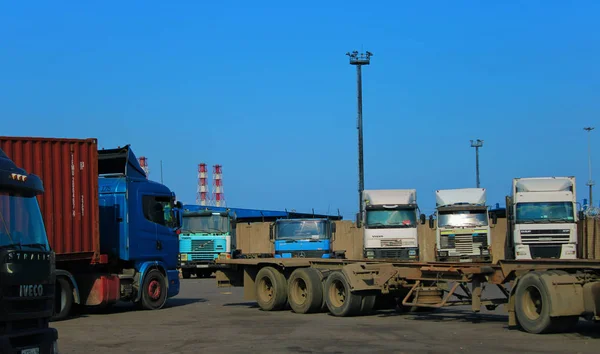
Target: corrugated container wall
<point>69,171</point>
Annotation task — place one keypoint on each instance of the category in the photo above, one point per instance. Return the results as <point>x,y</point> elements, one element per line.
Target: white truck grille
<point>464,244</point>
<point>531,237</point>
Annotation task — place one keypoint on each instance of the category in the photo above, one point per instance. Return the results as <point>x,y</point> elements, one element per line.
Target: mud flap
<point>566,294</point>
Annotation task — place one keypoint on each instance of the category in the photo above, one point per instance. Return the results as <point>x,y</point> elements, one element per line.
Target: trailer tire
<point>533,304</point>
<point>154,290</point>
<point>341,301</point>
<point>271,289</point>
<point>305,290</point>
<point>63,299</point>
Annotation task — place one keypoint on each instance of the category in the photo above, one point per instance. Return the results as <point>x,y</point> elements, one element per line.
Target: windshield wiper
<point>41,246</point>
<point>557,220</point>
<point>9,246</point>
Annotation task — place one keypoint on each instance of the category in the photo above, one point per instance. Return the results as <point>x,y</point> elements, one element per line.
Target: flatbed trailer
<point>541,296</point>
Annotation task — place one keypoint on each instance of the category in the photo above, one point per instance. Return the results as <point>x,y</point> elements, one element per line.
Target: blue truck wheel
<point>154,290</point>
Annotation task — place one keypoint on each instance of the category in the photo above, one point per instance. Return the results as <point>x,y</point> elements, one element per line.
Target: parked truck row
<point>540,296</point>
<point>541,215</point>
<point>114,233</point>
<point>544,288</point>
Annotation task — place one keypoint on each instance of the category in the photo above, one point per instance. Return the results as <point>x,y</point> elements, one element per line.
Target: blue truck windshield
<point>463,218</point>
<point>302,230</point>
<point>21,223</point>
<point>391,218</point>
<point>205,224</point>
<point>544,212</point>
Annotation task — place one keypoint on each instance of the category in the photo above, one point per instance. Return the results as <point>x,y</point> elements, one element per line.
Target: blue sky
<point>265,89</point>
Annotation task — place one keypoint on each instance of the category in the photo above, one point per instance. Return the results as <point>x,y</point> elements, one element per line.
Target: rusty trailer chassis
<point>540,296</point>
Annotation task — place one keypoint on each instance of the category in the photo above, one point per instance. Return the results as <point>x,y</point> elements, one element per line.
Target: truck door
<point>157,240</point>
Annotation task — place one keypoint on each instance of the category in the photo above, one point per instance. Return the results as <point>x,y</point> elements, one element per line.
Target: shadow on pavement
<point>251,305</point>
<point>126,307</point>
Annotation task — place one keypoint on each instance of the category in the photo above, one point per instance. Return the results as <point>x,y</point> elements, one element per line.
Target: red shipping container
<point>69,171</point>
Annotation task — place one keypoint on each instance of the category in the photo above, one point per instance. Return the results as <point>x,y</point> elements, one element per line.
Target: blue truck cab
<point>138,229</point>
<point>205,237</point>
<point>305,238</point>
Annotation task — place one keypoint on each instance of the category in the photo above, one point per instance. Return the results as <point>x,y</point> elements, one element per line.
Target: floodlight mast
<point>359,59</point>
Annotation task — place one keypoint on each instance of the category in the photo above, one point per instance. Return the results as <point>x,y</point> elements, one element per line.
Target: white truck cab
<point>390,218</point>
<point>542,218</point>
<point>463,225</point>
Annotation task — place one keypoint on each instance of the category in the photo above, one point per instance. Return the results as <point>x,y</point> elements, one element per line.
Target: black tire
<point>271,289</point>
<point>154,290</point>
<point>186,273</point>
<point>203,273</point>
<point>63,300</point>
<point>341,301</point>
<point>532,306</point>
<point>305,290</point>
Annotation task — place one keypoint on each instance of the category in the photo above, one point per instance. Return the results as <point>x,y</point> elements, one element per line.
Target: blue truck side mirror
<point>333,226</point>
<point>271,236</point>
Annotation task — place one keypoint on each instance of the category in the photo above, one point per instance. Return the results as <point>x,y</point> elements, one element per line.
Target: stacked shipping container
<point>69,171</point>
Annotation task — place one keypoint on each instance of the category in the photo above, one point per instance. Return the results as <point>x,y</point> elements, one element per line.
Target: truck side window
<point>158,210</point>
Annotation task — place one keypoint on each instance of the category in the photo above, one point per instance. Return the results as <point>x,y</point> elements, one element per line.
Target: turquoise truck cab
<point>205,236</point>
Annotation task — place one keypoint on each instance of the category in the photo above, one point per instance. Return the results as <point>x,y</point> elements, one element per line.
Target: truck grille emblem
<point>31,290</point>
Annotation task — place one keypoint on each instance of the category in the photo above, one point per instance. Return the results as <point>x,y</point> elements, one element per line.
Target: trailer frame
<point>540,296</point>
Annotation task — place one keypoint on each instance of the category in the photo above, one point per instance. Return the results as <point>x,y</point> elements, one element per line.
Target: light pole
<point>358,60</point>
<point>477,144</point>
<point>590,181</point>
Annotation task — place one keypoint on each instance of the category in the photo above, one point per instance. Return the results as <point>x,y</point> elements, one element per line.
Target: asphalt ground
<point>207,319</point>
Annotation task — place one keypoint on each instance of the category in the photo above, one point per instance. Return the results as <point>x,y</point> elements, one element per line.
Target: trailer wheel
<point>305,290</point>
<point>271,289</point>
<point>154,290</point>
<point>340,300</point>
<point>63,300</point>
<point>532,307</point>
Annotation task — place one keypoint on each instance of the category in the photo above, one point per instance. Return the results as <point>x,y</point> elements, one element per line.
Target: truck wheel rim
<point>154,290</point>
<point>337,293</point>
<point>299,291</point>
<point>266,293</point>
<point>532,303</point>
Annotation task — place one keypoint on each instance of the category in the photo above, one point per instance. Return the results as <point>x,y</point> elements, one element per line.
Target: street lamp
<point>358,60</point>
<point>477,144</point>
<point>590,183</point>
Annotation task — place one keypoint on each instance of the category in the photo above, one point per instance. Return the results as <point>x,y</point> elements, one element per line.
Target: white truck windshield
<point>463,218</point>
<point>391,218</point>
<point>544,212</point>
<point>21,223</point>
